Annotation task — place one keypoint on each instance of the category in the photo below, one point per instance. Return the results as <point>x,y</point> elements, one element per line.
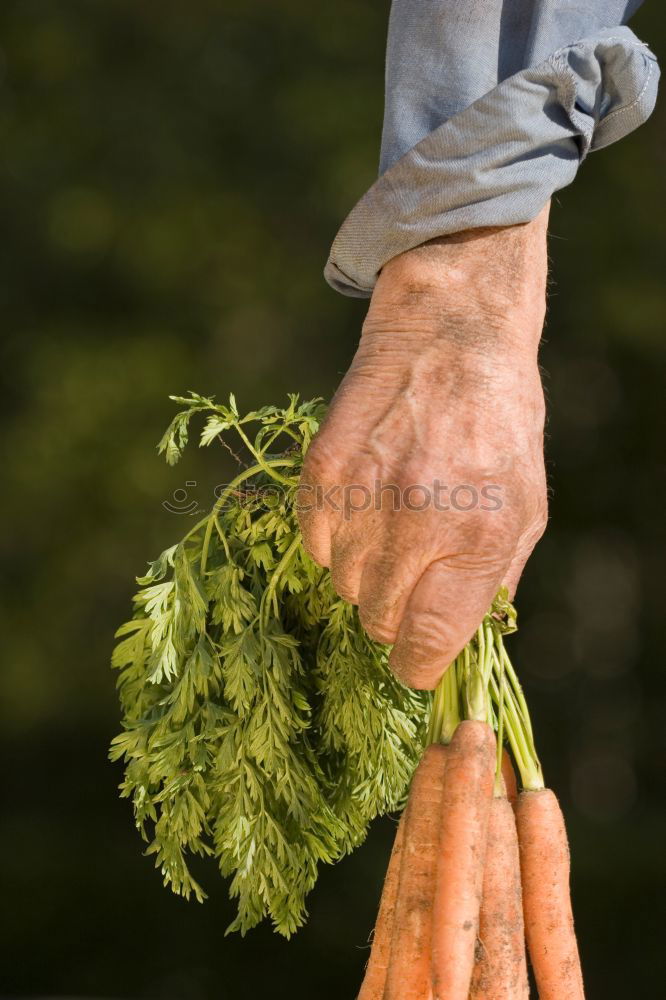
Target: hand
<point>432,450</point>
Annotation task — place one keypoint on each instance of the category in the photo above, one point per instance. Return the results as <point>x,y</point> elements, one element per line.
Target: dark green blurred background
<point>172,175</point>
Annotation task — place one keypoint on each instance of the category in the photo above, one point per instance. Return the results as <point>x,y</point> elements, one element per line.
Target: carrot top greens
<point>261,725</point>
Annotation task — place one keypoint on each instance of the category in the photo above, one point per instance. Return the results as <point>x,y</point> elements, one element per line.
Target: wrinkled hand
<point>425,488</point>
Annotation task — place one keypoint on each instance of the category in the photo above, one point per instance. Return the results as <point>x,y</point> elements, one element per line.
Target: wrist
<point>480,292</point>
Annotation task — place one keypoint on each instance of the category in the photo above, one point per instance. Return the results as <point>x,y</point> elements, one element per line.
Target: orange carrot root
<point>465,809</point>
<point>549,928</point>
<point>500,971</point>
<point>408,975</point>
<point>376,971</point>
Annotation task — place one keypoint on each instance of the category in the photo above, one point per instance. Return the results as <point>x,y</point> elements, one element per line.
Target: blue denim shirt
<point>491,105</point>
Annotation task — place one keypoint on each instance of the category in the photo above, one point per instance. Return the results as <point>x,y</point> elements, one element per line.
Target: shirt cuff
<point>499,161</point>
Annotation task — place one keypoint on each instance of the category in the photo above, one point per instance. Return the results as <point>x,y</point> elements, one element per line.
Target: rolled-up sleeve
<point>491,106</point>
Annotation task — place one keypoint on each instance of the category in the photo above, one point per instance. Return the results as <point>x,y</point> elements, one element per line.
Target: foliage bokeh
<point>171,177</point>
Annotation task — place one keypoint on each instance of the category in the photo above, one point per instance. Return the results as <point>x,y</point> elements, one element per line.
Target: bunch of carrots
<point>478,871</point>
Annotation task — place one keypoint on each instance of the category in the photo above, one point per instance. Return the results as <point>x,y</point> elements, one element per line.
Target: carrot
<point>466,800</point>
<point>408,975</point>
<point>500,971</point>
<point>509,776</point>
<point>549,929</point>
<point>375,973</point>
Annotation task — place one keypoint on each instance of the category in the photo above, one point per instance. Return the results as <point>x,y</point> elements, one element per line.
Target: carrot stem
<point>445,712</point>
<point>482,685</point>
<point>500,733</point>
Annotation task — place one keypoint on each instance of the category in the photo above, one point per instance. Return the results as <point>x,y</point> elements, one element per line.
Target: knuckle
<point>534,532</point>
<point>536,518</point>
<point>422,675</point>
<point>344,589</point>
<point>480,547</point>
<point>316,550</point>
<point>320,460</point>
<point>380,631</point>
<point>428,634</point>
<point>416,680</point>
<point>428,642</point>
<point>309,512</point>
<point>314,468</point>
<point>346,593</point>
<point>344,573</point>
<point>540,525</point>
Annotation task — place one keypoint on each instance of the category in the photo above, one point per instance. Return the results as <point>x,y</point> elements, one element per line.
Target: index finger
<point>313,519</point>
